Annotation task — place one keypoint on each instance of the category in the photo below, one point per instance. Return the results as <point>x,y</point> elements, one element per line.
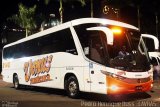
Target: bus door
<point>155,48</point>
<point>98,57</point>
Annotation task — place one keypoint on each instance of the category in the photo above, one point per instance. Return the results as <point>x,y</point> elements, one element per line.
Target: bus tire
<point>16,82</point>
<point>72,87</point>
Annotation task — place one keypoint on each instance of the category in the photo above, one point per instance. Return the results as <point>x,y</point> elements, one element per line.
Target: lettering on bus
<point>38,71</point>
<point>6,65</point>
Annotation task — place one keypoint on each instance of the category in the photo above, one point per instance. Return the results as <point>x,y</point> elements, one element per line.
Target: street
<point>45,97</point>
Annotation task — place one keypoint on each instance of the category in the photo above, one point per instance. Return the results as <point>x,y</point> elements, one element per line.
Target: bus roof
<point>74,23</point>
<point>103,22</point>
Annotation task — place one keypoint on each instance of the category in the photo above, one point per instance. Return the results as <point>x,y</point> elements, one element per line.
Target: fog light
<point>114,87</point>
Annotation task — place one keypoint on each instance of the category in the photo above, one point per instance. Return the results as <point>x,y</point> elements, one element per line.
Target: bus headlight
<point>114,88</point>
<point>113,75</point>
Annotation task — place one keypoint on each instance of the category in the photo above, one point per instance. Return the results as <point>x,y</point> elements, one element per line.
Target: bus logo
<point>38,71</point>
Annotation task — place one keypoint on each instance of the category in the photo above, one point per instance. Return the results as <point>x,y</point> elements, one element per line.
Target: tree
<point>136,4</point>
<point>61,6</point>
<point>25,18</point>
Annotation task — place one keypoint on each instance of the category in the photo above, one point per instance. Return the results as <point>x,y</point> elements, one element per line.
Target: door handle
<point>92,72</point>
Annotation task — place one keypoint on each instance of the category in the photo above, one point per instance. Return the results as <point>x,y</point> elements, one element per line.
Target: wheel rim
<point>73,88</point>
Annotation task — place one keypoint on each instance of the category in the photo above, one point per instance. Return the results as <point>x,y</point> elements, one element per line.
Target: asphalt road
<point>45,97</point>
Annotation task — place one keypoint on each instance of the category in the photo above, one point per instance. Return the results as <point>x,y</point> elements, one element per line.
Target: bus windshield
<point>124,54</point>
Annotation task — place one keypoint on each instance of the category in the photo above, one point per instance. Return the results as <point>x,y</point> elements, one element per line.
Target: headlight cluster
<point>113,75</point>
<point>114,88</point>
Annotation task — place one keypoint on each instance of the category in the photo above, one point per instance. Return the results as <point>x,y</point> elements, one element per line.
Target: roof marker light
<point>116,30</point>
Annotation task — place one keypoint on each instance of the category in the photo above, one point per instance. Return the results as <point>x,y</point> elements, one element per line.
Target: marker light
<point>114,87</point>
<point>116,30</point>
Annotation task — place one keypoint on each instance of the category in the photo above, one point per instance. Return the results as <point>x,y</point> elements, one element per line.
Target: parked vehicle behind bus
<point>80,55</point>
<point>152,43</point>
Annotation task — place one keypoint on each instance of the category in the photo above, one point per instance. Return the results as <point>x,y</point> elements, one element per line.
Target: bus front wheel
<point>16,82</point>
<point>72,87</point>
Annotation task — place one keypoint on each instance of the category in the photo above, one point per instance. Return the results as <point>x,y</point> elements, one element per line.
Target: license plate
<point>138,88</point>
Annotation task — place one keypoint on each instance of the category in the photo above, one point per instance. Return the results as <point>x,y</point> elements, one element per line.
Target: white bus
<point>152,45</point>
<point>80,55</point>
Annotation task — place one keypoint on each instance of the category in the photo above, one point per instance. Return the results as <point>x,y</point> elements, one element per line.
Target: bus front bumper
<point>115,86</point>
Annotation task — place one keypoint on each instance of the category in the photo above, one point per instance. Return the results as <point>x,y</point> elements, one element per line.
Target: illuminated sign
<point>105,9</point>
<point>38,71</point>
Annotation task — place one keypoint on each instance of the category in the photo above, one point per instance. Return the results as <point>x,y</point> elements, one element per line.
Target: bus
<point>152,44</point>
<point>81,55</point>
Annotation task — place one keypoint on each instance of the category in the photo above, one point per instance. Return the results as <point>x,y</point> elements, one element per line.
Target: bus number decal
<point>38,71</point>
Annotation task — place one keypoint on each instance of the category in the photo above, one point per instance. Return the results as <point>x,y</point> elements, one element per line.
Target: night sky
<point>128,12</point>
<point>10,7</point>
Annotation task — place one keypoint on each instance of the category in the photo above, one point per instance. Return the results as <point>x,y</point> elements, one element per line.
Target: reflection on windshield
<point>123,54</point>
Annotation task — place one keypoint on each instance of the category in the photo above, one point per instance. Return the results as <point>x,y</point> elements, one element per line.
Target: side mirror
<point>108,32</point>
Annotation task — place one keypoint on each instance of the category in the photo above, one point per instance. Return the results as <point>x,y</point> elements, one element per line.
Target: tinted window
<point>61,41</point>
<point>97,48</point>
<point>93,43</point>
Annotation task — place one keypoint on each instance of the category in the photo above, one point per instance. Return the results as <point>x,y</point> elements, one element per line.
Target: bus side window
<point>61,41</point>
<point>16,51</point>
<point>96,48</point>
<point>25,48</point>
<point>6,53</point>
<point>68,42</point>
<point>9,52</point>
<point>47,44</point>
